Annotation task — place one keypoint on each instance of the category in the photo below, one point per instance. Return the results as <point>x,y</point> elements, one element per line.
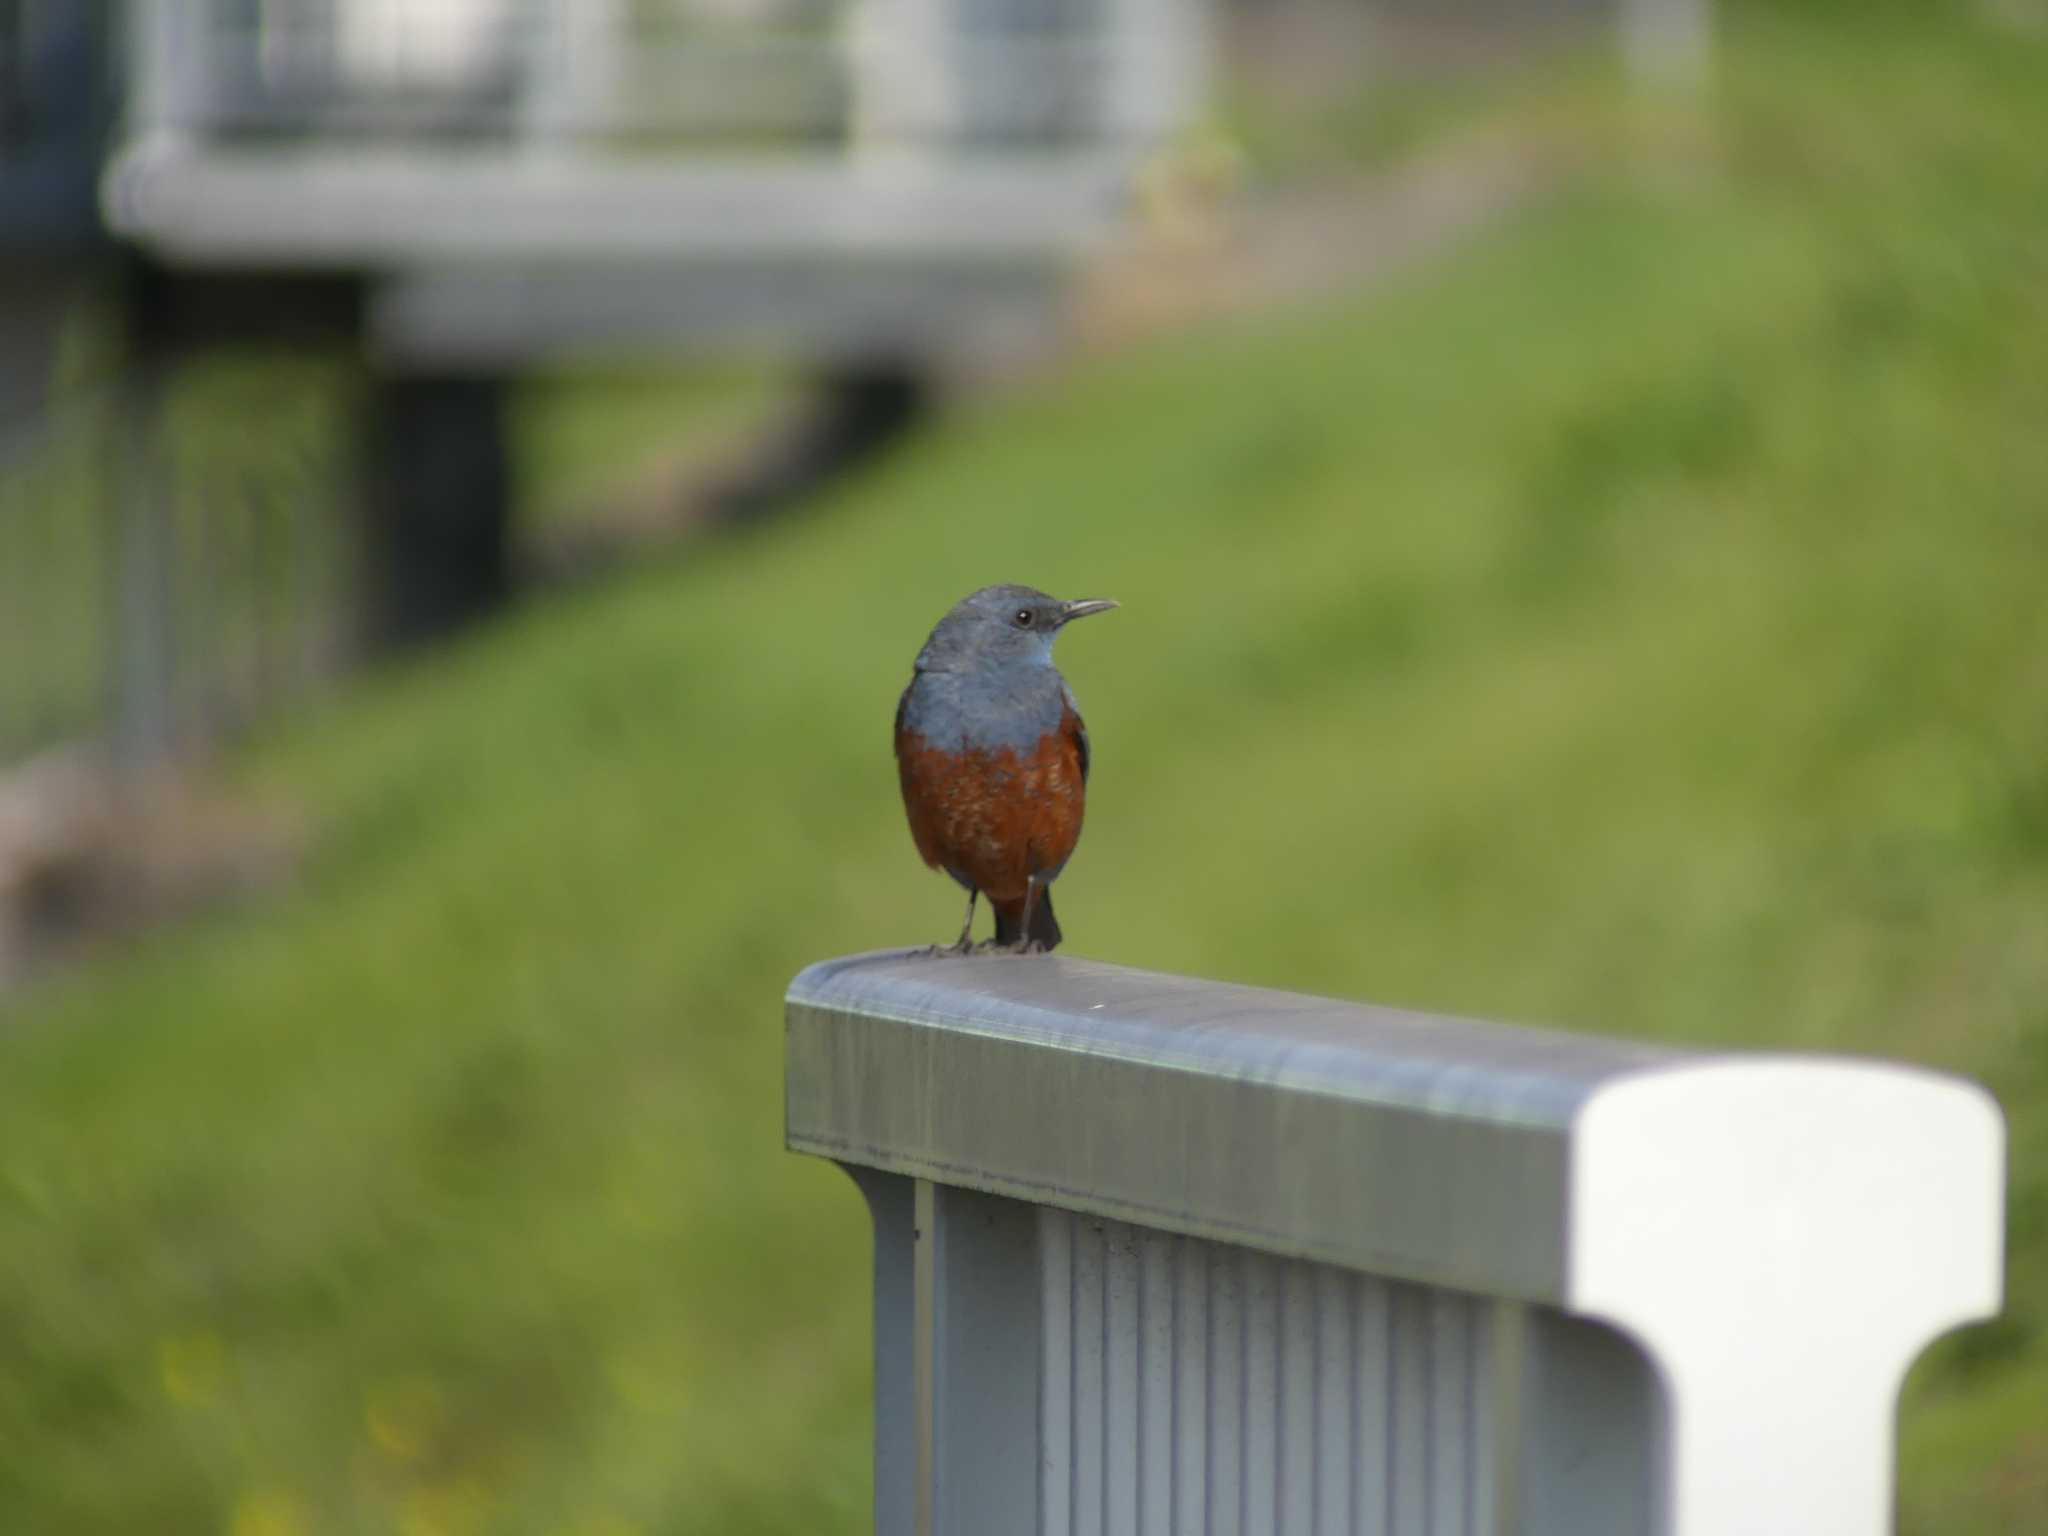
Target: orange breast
<point>995,819</point>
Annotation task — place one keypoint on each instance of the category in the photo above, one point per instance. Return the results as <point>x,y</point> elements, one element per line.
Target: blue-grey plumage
<point>993,756</point>
<point>985,678</point>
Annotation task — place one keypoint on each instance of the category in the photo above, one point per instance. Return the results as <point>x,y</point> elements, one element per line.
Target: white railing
<point>525,177</point>
<point>1021,72</point>
<point>1160,1255</point>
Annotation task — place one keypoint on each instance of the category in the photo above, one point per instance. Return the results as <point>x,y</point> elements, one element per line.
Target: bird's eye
<point>1023,618</point>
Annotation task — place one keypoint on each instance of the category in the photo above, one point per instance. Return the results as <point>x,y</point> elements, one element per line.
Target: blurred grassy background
<point>1635,623</point>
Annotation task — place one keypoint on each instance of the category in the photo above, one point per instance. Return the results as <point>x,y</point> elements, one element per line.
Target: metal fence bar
<point>1429,1277</point>
<point>169,581</point>
<point>146,622</point>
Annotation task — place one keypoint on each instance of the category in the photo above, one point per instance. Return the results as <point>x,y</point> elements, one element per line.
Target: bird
<point>993,759</point>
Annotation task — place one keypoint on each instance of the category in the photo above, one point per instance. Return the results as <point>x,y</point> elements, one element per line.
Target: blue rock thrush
<point>994,758</point>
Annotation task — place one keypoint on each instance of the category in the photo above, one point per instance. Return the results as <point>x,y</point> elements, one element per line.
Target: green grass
<point>574,428</point>
<point>1634,624</point>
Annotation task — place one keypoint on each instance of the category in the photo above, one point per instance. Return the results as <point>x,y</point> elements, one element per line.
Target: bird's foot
<point>1020,947</point>
<point>948,951</point>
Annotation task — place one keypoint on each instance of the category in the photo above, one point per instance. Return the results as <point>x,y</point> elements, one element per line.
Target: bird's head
<point>1002,626</point>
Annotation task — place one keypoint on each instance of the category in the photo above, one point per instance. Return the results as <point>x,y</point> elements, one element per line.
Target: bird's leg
<point>966,944</point>
<point>1026,945</point>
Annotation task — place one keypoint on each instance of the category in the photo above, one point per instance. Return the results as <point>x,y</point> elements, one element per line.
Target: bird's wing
<point>1075,727</point>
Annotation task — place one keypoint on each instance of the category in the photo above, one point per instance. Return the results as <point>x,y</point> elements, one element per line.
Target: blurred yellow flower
<point>267,1513</point>
<point>605,1525</point>
<point>648,1386</point>
<point>403,1416</point>
<point>191,1366</point>
<point>455,1508</point>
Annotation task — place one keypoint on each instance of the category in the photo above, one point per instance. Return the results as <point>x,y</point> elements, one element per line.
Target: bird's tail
<point>1044,930</point>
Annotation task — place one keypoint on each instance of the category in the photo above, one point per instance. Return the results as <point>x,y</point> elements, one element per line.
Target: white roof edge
<point>340,204</point>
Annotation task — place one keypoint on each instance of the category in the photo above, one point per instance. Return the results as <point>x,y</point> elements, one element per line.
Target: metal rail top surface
<point>1525,1163</point>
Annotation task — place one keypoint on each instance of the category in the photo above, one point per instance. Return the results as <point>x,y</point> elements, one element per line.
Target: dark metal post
<point>438,509</point>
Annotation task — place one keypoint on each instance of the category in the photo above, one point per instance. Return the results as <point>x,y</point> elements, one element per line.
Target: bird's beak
<point>1081,608</point>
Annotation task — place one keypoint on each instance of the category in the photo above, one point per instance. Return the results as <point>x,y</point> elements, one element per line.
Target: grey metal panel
<point>1483,1413</point>
<point>1122,1329</point>
<point>958,1353</point>
<point>1157,1365</point>
<point>924,1368</point>
<point>1451,1470</point>
<point>1086,1321</point>
<point>1408,1416</point>
<point>1190,1387</point>
<point>985,1327</point>
<point>1592,1431</point>
<point>1442,1144</point>
<point>1261,1416</point>
<point>1336,1406</point>
<point>1274,1367</point>
<point>890,1208</point>
<point>1225,1405</point>
<point>1372,1475</point>
<point>1056,1380</point>
<point>1297,1441</point>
